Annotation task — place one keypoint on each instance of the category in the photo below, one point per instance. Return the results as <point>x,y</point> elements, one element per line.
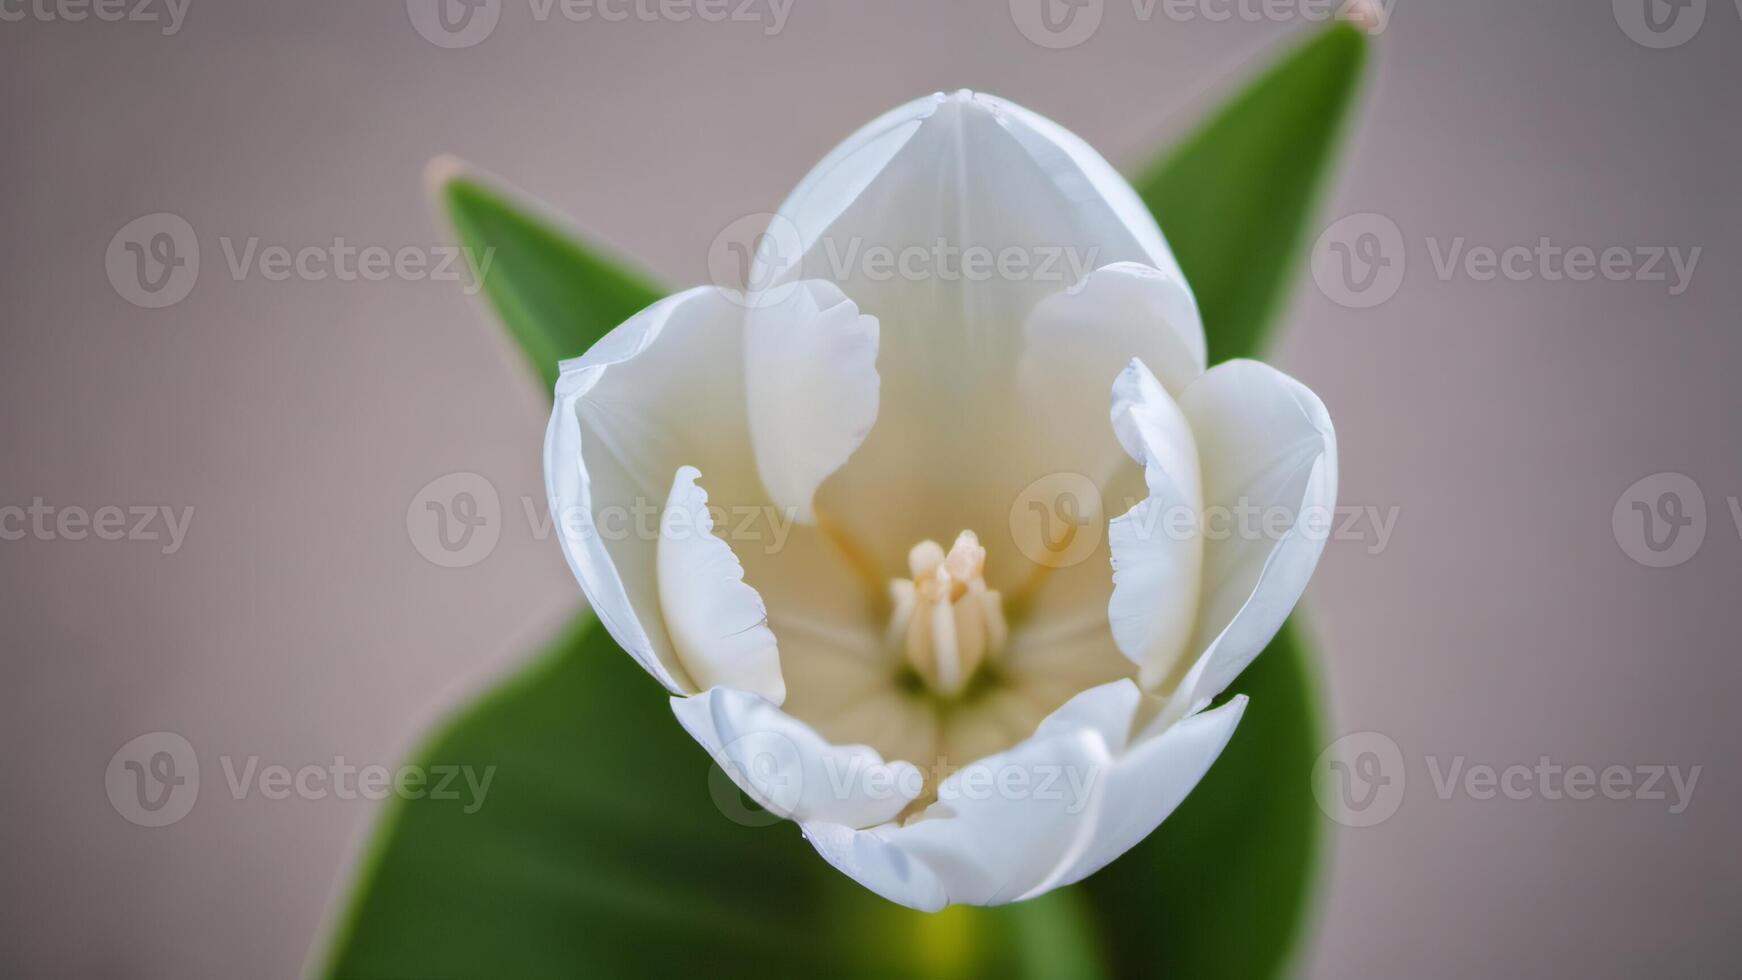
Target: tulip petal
<point>1046,813</point>
<point>1156,546</point>
<point>717,624</point>
<point>811,375</point>
<point>885,867</point>
<point>989,846</point>
<point>1267,448</point>
<point>1078,339</point>
<point>1078,342</point>
<point>790,769</point>
<point>905,160</point>
<point>1001,826</point>
<point>1150,780</point>
<point>664,390</point>
<point>948,220</point>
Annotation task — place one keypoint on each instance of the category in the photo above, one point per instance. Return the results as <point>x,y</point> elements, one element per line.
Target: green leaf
<point>556,295</point>
<point>607,845</point>
<point>1234,199</point>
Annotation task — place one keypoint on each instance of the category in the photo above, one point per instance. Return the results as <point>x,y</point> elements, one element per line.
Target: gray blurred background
<point>1503,621</point>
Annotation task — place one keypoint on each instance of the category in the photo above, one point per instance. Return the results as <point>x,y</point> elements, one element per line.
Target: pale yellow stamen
<point>945,621</point>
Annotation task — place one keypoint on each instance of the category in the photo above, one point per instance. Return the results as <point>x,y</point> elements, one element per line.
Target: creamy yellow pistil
<point>945,621</point>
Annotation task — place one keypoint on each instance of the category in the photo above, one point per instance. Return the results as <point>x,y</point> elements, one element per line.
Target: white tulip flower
<point>899,614</point>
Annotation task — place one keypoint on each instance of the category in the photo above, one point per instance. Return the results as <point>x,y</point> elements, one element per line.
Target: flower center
<point>946,622</point>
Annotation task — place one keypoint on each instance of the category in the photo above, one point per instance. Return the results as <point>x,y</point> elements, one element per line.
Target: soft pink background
<point>1503,419</point>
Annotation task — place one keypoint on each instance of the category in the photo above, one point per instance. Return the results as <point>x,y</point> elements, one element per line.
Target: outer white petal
<point>1266,442</point>
<point>811,372</point>
<point>1156,546</point>
<point>988,847</point>
<point>885,867</point>
<point>664,390</point>
<point>1149,781</point>
<point>791,770</point>
<point>717,624</point>
<point>1077,174</point>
